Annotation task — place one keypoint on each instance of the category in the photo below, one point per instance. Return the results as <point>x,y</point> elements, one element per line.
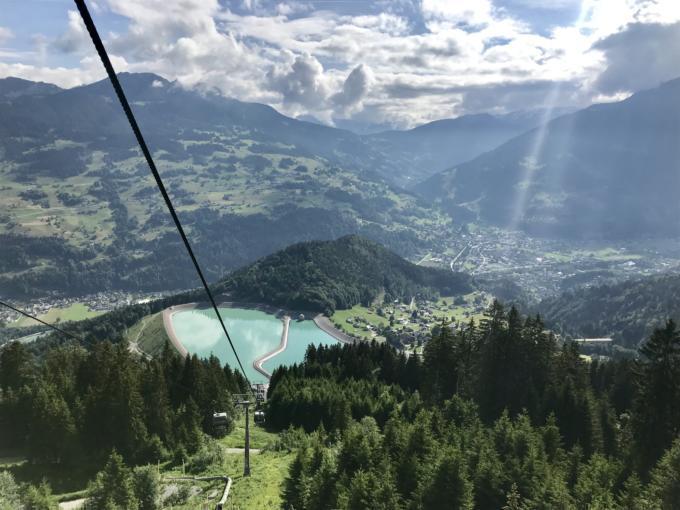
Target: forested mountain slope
<point>325,275</point>
<point>627,311</point>
<point>609,171</point>
<point>80,213</point>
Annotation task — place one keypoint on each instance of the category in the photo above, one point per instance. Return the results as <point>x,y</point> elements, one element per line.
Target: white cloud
<point>400,61</point>
<point>549,4</point>
<point>301,82</point>
<point>288,8</point>
<point>456,11</point>
<point>652,50</point>
<point>75,38</point>
<point>5,34</point>
<point>354,90</point>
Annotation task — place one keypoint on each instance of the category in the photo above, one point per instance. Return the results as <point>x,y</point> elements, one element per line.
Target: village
<point>546,267</point>
<point>407,326</point>
<point>62,309</point>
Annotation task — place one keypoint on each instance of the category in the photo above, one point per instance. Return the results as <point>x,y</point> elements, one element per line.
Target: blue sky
<point>391,62</point>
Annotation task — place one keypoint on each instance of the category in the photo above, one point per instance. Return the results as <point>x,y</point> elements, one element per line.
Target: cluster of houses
<point>100,302</point>
<point>412,324</point>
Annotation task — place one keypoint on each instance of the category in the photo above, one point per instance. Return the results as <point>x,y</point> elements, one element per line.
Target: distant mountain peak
<point>608,171</point>
<point>12,88</point>
<point>143,78</point>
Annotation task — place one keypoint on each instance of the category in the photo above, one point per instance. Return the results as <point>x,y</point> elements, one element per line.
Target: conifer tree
<point>113,488</point>
<point>656,416</point>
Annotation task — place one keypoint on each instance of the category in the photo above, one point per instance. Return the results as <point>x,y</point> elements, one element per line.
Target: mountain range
<point>608,171</point>
<point>80,213</point>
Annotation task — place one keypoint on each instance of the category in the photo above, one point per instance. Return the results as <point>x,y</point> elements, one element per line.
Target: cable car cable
<point>25,314</point>
<point>113,78</point>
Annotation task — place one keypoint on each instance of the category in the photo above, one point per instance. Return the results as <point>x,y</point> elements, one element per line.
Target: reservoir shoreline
<point>257,363</point>
<point>322,322</point>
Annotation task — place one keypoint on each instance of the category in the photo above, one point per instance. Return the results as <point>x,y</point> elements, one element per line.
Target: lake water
<point>254,334</point>
<point>300,335</point>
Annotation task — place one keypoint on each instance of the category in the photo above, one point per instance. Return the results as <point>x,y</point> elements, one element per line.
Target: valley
<point>407,255</point>
<point>538,268</point>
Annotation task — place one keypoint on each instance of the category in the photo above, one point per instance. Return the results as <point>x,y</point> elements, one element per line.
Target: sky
<point>395,63</point>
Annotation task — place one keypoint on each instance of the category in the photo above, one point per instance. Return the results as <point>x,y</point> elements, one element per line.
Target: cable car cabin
<point>220,420</point>
<point>259,417</point>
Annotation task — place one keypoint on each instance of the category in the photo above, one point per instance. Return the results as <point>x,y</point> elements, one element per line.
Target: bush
<point>147,488</point>
<point>9,492</point>
<point>210,454</point>
<point>156,451</point>
<point>40,498</point>
<point>289,440</point>
<point>179,497</point>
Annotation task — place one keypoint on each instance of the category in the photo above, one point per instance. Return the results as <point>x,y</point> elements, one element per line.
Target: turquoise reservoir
<point>300,335</point>
<point>254,334</point>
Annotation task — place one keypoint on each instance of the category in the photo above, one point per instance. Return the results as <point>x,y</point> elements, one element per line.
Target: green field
<point>356,320</point>
<point>75,312</point>
<point>149,334</point>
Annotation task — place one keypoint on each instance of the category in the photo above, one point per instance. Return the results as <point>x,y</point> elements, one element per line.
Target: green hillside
<point>80,212</point>
<point>608,171</point>
<point>627,311</point>
<point>329,275</point>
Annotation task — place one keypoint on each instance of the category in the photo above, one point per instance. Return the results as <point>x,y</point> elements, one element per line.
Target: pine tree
<point>113,488</point>
<point>656,417</point>
<point>374,490</point>
<point>147,488</point>
<point>15,366</point>
<point>664,487</point>
<point>52,435</point>
<point>450,487</point>
<point>441,365</point>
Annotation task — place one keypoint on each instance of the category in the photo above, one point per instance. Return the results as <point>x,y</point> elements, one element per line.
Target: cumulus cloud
<point>300,82</point>
<point>641,56</point>
<point>354,90</point>
<point>75,38</point>
<point>399,62</point>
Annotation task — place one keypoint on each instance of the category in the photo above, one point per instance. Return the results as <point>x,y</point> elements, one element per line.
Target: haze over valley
<point>548,203</point>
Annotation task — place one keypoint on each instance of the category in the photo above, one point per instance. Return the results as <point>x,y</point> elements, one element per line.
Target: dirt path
<point>133,346</point>
<point>253,451</point>
<point>426,257</point>
<point>72,505</point>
